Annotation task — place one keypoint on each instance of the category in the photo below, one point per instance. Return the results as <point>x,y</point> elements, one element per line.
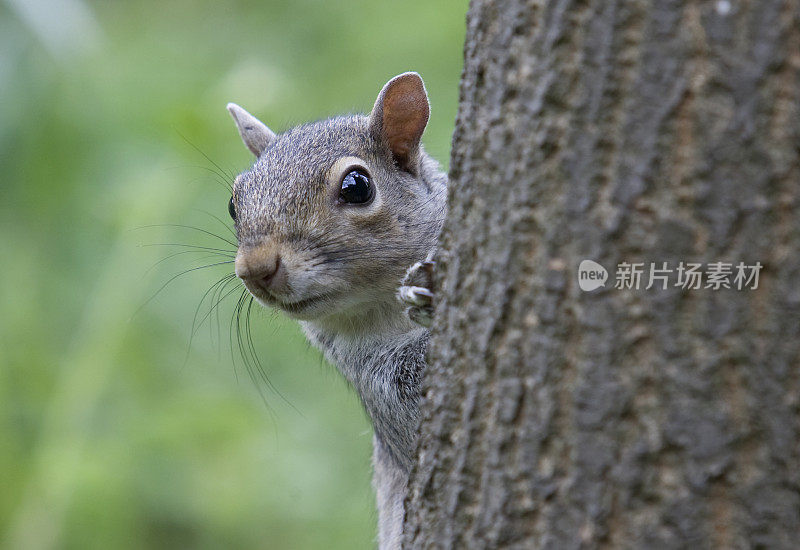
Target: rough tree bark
<point>660,131</point>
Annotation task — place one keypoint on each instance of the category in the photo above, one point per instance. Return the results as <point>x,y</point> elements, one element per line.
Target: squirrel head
<point>332,213</point>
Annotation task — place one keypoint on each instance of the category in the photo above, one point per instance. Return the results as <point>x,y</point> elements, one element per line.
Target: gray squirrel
<point>328,219</point>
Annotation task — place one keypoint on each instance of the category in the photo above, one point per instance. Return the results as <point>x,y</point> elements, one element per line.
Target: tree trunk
<point>635,132</point>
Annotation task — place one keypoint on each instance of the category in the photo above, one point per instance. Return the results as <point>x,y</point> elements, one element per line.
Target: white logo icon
<point>591,275</point>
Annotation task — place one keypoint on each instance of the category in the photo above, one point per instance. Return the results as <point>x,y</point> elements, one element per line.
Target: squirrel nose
<point>262,267</point>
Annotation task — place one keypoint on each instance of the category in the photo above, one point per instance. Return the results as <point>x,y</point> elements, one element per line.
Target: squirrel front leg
<point>390,479</point>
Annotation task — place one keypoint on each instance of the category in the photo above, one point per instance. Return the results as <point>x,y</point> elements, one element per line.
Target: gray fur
<point>355,257</point>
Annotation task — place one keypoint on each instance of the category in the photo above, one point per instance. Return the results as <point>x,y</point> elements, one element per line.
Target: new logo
<point>591,275</point>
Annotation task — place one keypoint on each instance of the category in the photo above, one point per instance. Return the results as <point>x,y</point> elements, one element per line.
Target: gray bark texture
<point>642,131</point>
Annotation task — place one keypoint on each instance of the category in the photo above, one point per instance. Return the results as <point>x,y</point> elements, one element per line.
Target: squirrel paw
<point>416,292</point>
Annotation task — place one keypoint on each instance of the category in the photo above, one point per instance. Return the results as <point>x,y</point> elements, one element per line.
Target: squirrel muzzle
<point>261,270</point>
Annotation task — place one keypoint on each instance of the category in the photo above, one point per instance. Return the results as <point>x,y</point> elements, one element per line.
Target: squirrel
<point>328,220</point>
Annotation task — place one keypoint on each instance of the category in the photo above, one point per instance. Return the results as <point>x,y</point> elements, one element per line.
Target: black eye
<point>356,187</point>
<point>232,209</point>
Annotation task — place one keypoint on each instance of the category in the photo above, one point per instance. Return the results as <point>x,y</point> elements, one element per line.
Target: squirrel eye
<point>356,187</point>
<point>232,209</point>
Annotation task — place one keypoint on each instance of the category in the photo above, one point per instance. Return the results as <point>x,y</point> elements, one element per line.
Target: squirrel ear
<point>255,133</point>
<point>400,115</point>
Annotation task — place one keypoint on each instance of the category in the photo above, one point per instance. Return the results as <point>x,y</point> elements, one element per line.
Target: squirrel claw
<point>415,296</point>
<point>416,292</point>
<point>420,274</point>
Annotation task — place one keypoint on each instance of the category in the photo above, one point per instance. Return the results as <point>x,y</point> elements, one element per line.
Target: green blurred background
<point>111,435</point>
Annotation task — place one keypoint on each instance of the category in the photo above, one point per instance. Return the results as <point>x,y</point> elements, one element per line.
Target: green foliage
<point>114,433</point>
